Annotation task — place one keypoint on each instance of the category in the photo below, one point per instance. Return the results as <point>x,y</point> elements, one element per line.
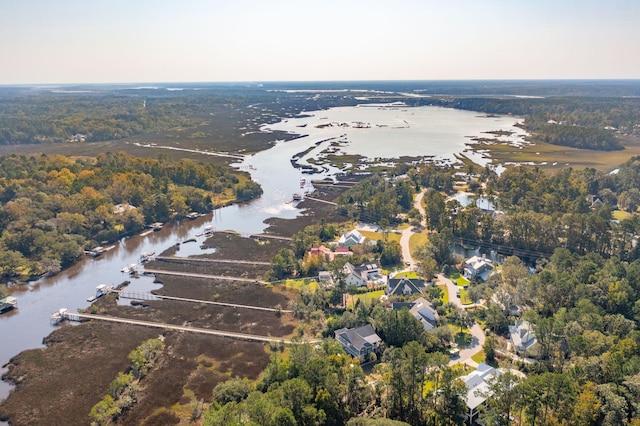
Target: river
<point>394,131</point>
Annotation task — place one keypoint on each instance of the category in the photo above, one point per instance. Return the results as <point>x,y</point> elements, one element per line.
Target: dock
<point>64,314</point>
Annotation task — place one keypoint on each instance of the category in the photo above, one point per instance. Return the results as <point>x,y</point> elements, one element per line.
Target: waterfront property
<point>478,267</point>
<point>351,238</point>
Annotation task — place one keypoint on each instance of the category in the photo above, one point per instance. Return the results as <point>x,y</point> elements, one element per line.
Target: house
<point>363,274</point>
<point>404,286</point>
<point>325,279</point>
<point>358,342</point>
<point>423,311</point>
<point>478,382</point>
<point>328,253</point>
<point>522,336</point>
<point>478,267</point>
<point>121,208</point>
<point>351,238</point>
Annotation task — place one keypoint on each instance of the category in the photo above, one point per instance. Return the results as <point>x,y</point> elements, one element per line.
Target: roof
<point>477,383</point>
<point>351,238</point>
<point>400,286</point>
<point>522,334</point>
<point>359,337</point>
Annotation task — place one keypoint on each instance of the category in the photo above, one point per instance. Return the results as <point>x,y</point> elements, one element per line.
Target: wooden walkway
<point>194,275</point>
<point>151,296</point>
<point>191,259</point>
<point>320,201</point>
<point>220,333</point>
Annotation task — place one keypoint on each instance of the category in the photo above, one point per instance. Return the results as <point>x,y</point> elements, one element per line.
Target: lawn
<point>479,357</point>
<point>416,241</point>
<point>464,297</point>
<point>375,236</point>
<point>445,294</point>
<point>407,274</point>
<point>364,297</point>
<point>620,214</point>
<point>302,284</point>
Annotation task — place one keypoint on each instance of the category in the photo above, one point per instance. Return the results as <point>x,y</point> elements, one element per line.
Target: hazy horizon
<point>121,42</point>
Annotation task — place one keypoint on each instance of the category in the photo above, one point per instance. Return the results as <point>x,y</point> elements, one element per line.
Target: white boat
<point>146,256</point>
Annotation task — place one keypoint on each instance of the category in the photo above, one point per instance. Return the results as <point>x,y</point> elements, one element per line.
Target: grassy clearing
<point>479,357</point>
<point>363,297</point>
<point>445,294</point>
<point>464,297</point>
<point>562,156</point>
<point>407,274</point>
<point>302,284</point>
<point>375,236</point>
<point>620,214</point>
<point>417,240</point>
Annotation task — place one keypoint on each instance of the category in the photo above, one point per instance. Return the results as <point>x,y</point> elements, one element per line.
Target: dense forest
<point>54,207</point>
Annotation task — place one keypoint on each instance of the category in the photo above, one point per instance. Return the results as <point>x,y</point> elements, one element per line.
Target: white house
<point>361,275</point>
<point>478,382</point>
<point>351,238</point>
<point>522,336</point>
<point>478,267</point>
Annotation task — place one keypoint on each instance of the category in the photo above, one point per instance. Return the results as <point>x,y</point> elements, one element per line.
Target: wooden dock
<point>65,314</point>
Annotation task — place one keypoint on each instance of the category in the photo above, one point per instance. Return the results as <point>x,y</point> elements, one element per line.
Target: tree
<point>501,397</point>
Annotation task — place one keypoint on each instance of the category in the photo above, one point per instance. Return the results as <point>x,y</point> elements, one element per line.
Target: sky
<point>120,41</point>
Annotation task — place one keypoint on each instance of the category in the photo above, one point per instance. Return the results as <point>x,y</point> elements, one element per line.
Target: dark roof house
<point>404,286</point>
<point>358,342</point>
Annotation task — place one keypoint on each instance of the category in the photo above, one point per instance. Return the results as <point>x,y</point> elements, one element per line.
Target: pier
<point>150,296</point>
<point>65,314</point>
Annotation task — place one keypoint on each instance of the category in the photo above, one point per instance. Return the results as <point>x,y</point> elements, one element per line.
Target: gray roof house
<point>423,311</point>
<point>478,267</point>
<point>522,336</point>
<point>404,286</point>
<point>358,342</point>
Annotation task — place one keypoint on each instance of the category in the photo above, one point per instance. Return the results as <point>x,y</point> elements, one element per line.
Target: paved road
<point>408,232</point>
<point>193,275</point>
<point>231,334</point>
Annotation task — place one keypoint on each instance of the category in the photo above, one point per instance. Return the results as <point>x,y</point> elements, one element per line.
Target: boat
<point>297,197</point>
<point>193,216</point>
<point>303,182</point>
<point>130,269</point>
<point>208,231</point>
<point>146,256</point>
<point>7,304</point>
<point>156,226</point>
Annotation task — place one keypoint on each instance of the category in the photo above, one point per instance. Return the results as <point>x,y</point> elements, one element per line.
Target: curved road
<point>477,334</point>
